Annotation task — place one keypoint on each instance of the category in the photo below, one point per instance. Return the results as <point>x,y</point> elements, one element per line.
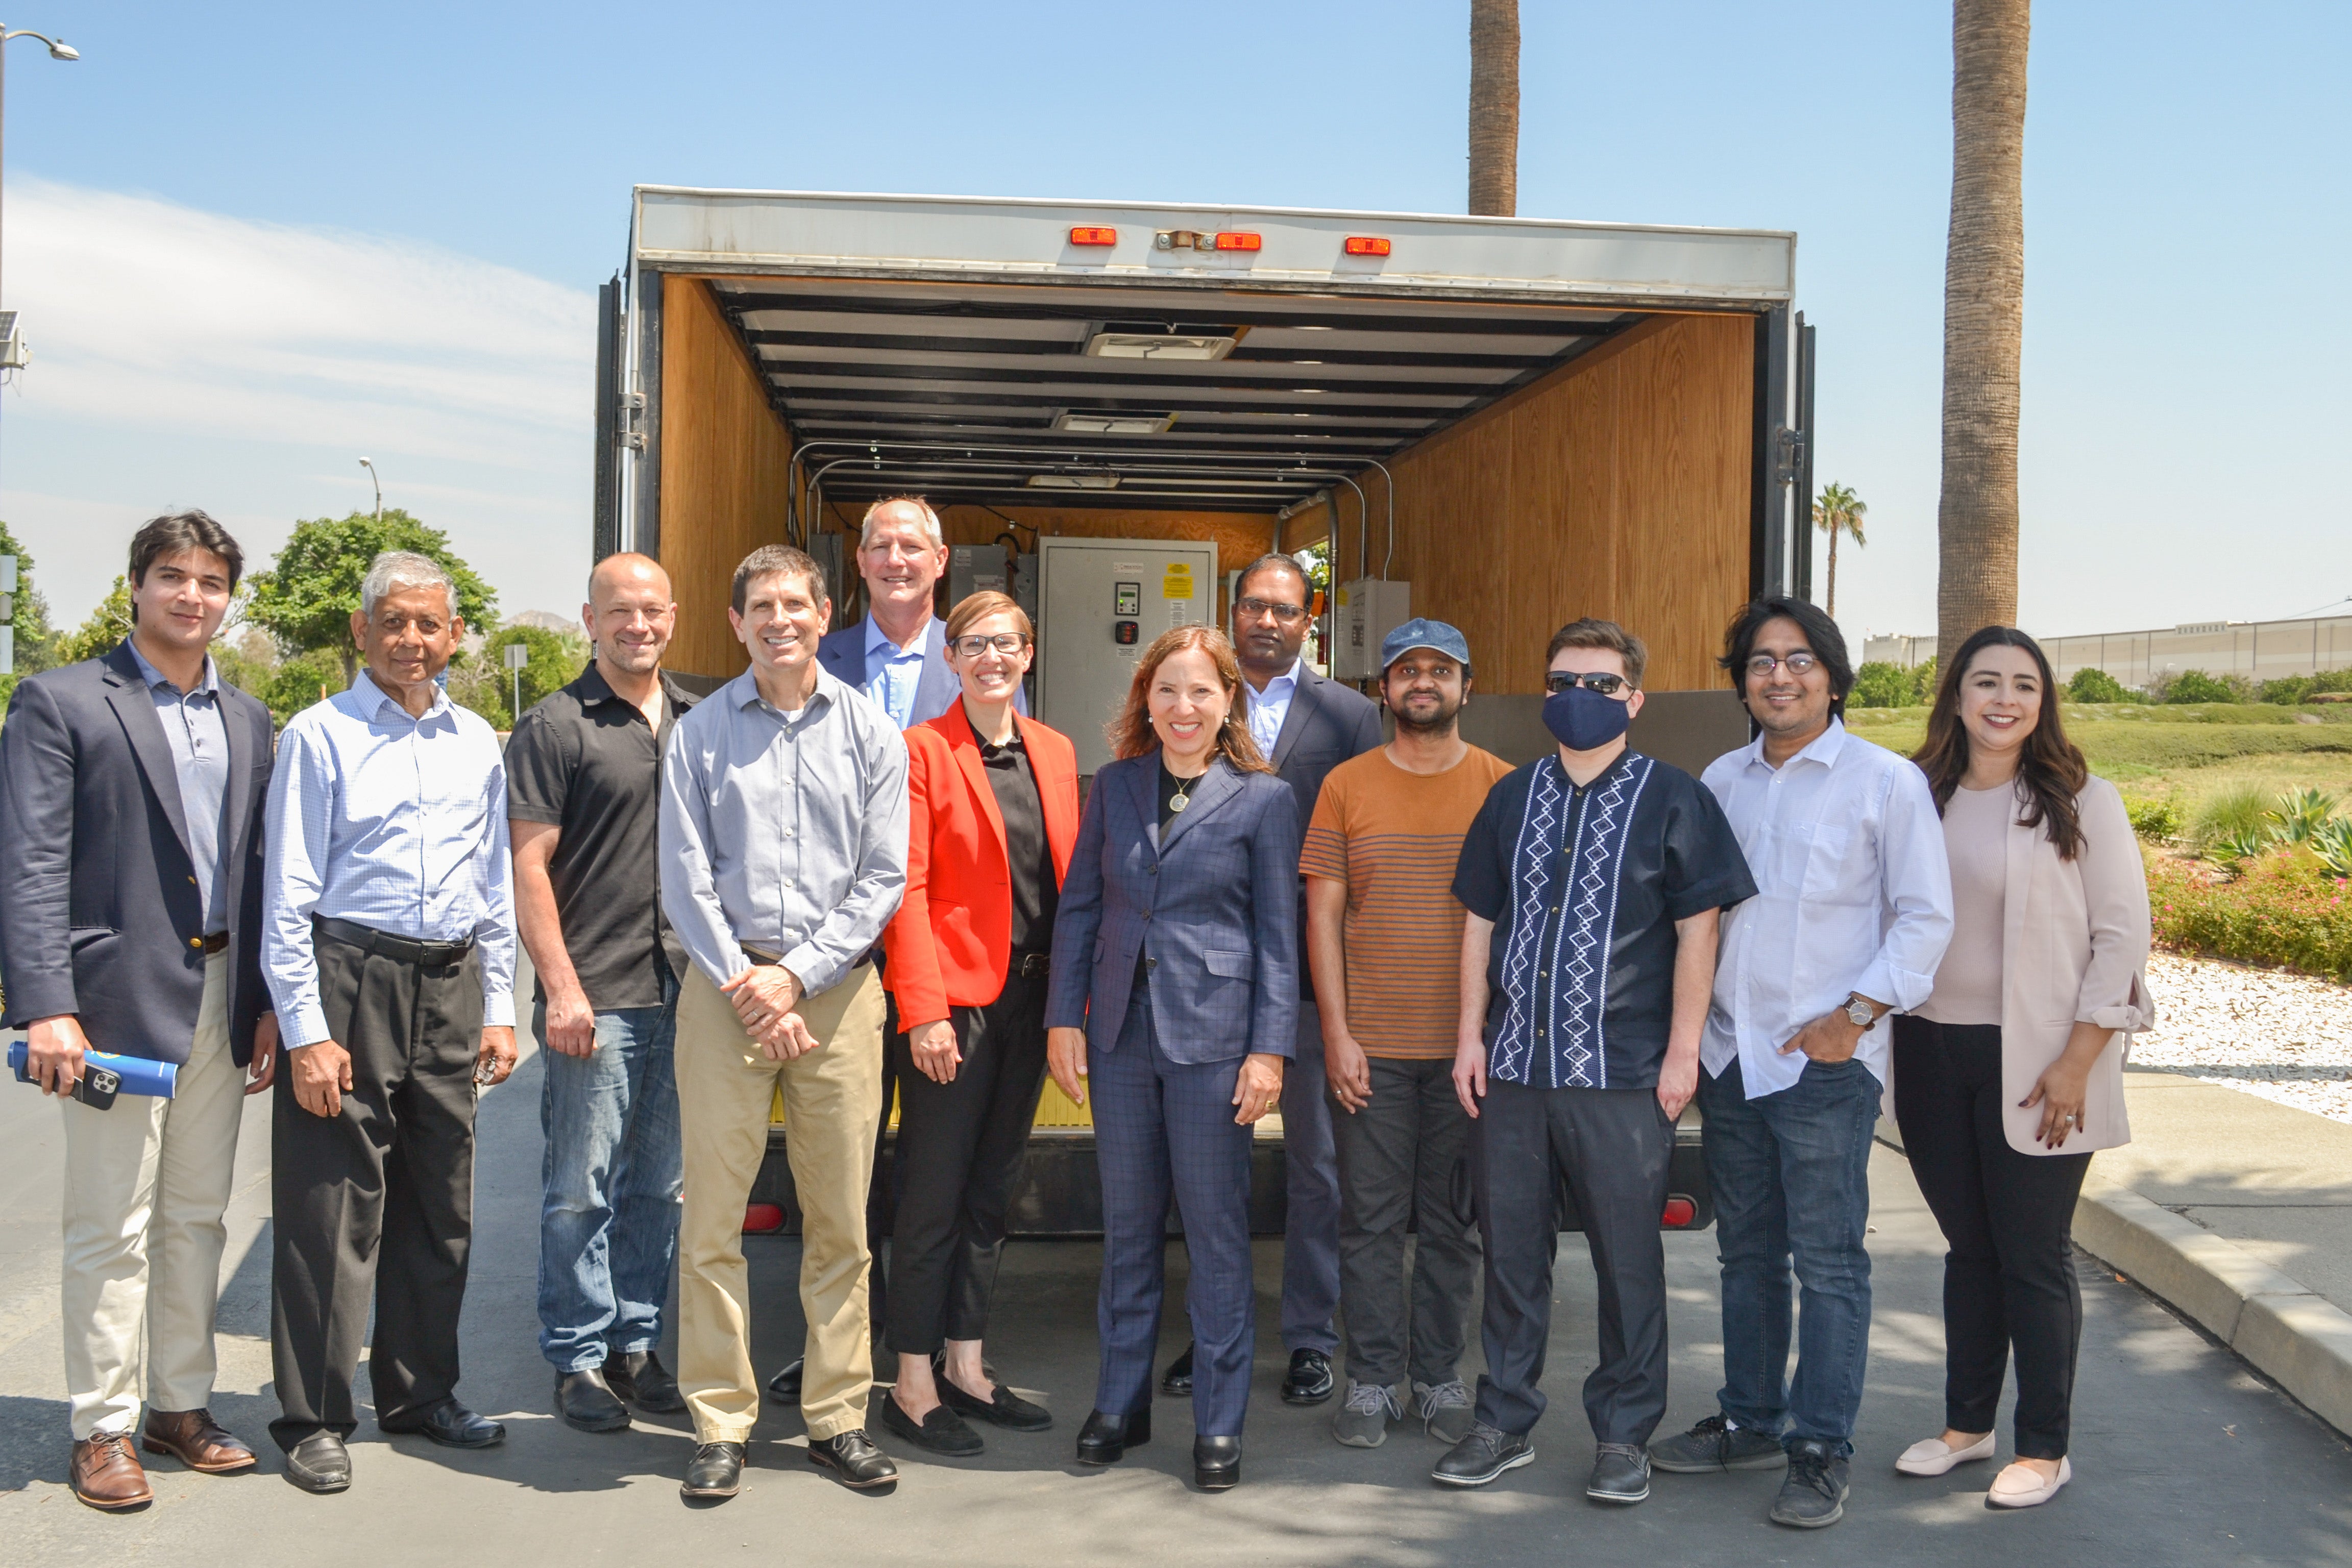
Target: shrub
<point>1879,684</point>
<point>2196,686</point>
<point>2231,815</point>
<point>2283,909</point>
<point>301,680</point>
<point>2159,820</point>
<point>480,680</point>
<point>2285,691</point>
<point>2090,685</point>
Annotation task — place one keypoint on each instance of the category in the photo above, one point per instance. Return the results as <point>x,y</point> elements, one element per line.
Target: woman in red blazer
<point>994,813</point>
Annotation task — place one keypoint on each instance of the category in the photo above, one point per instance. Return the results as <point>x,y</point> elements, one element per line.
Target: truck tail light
<point>1084,234</point>
<point>1236,240</point>
<point>1680,1212</point>
<point>762,1219</point>
<point>1366,245</point>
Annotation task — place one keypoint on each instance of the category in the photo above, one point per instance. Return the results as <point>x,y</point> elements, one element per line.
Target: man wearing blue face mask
<point>1594,880</point>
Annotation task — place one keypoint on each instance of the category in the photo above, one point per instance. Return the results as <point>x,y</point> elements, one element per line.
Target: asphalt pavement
<point>2182,1454</point>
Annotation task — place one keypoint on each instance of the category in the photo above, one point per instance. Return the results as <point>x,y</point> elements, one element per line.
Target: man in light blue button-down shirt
<point>389,944</point>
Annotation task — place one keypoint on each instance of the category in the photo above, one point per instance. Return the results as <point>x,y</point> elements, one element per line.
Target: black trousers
<point>959,1148</point>
<point>376,1204</point>
<point>878,1220</point>
<point>2008,1219</point>
<point>1611,1147</point>
<point>1399,1159</point>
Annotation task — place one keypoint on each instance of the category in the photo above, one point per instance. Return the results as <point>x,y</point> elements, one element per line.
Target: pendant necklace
<point>1183,796</point>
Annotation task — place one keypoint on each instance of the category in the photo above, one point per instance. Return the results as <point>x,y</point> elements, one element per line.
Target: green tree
<point>1923,682</point>
<point>481,680</point>
<point>298,681</point>
<point>1838,510</point>
<point>2196,686</point>
<point>36,638</point>
<point>108,625</point>
<point>306,600</point>
<point>1879,684</point>
<point>2091,685</point>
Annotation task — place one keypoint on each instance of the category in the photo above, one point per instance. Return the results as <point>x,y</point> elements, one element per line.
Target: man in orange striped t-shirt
<point>1384,936</point>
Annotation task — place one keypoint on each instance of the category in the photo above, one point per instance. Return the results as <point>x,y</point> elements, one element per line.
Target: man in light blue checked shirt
<point>388,942</point>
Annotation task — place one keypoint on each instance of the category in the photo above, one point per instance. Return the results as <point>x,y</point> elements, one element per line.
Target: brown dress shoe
<point>196,1440</point>
<point>107,1474</point>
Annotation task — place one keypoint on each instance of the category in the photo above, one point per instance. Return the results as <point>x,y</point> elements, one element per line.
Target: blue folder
<point>138,1075</point>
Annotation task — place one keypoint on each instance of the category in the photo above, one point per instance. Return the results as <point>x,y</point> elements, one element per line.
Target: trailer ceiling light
<point>1074,481</point>
<point>1091,424</point>
<point>1366,245</point>
<point>1237,239</point>
<point>1084,234</point>
<point>1158,345</point>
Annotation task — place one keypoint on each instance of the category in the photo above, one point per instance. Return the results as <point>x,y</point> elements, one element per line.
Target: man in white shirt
<point>1853,910</point>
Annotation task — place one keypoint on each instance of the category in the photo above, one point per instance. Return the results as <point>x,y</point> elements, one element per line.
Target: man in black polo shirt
<point>583,771</point>
<point>1594,879</point>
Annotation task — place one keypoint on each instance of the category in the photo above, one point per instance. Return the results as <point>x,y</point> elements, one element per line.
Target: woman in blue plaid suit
<point>1174,992</point>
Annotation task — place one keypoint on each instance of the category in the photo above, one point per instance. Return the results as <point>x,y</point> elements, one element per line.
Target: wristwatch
<point>1858,1010</point>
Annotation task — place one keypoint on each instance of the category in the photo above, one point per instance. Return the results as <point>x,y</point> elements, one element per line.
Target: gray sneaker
<point>1715,1444</point>
<point>1445,1409</point>
<point>1363,1421</point>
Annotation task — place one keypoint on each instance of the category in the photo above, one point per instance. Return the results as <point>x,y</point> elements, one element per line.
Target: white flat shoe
<point>2021,1486</point>
<point>1933,1457</point>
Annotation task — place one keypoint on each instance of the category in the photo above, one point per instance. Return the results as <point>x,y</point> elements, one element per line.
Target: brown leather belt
<point>213,943</point>
<point>761,956</point>
<point>384,945</point>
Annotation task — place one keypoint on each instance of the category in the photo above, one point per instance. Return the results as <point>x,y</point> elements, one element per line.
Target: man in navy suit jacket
<point>130,798</point>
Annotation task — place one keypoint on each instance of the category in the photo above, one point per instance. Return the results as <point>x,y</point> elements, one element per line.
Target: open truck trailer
<point>1502,423</point>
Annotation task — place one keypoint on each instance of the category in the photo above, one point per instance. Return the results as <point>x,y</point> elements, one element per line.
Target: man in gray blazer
<point>130,796</point>
<point>1305,724</point>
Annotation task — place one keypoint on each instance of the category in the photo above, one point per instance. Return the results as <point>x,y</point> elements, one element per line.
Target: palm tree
<point>1494,108</point>
<point>1838,510</point>
<point>1984,320</point>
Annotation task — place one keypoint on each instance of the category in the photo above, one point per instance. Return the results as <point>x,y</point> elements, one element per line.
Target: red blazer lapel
<point>1055,763</point>
<point>965,747</point>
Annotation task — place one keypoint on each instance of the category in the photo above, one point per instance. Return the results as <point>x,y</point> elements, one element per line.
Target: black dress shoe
<point>716,1471</point>
<point>1217,1463</point>
<point>784,1388</point>
<point>1176,1383</point>
<point>940,1431</point>
<point>1308,1381</point>
<point>1004,1407</point>
<point>639,1378</point>
<point>587,1401</point>
<point>855,1459</point>
<point>449,1424</point>
<point>1105,1439</point>
<point>320,1464</point>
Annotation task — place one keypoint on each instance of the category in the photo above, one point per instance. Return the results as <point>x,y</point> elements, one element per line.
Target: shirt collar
<point>209,685</point>
<point>1288,677</point>
<point>743,691</point>
<point>880,641</point>
<point>373,700</point>
<point>1823,748</point>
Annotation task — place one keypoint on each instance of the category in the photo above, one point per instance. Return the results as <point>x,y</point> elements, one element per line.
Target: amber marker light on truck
<point>1238,241</point>
<point>1366,245</point>
<point>1082,234</point>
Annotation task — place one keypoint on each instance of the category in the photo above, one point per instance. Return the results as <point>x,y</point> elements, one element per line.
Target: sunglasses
<point>1560,680</point>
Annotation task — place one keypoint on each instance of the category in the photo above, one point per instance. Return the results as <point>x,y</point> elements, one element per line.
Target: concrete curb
<point>2296,1336</point>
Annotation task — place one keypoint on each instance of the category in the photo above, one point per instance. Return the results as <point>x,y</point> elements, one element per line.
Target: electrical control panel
<point>1367,609</point>
<point>1101,602</point>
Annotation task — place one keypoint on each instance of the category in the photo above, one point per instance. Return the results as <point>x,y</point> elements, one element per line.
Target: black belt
<point>761,956</point>
<point>384,945</point>
<point>210,941</point>
<point>1030,966</point>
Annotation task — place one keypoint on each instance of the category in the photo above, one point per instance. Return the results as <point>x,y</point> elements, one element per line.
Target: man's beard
<point>1444,720</point>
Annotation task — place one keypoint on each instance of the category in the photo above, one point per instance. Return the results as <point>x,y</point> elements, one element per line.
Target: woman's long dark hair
<point>2050,774</point>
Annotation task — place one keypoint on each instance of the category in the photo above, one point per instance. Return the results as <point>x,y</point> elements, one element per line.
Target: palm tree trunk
<point>1494,108</point>
<point>1832,604</point>
<point>1984,317</point>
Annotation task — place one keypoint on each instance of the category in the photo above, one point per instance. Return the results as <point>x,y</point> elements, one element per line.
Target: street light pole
<point>378,480</point>
<point>58,50</point>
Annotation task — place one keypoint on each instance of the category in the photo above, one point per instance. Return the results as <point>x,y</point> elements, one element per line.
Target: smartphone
<point>96,1088</point>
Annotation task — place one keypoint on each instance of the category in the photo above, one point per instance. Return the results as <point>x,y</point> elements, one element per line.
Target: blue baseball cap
<point>1421,632</point>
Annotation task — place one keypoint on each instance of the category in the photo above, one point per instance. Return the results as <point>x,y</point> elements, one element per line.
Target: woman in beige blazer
<point>2012,1072</point>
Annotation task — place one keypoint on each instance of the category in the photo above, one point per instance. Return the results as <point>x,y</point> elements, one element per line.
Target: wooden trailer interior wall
<point>1616,487</point>
<point>723,460</point>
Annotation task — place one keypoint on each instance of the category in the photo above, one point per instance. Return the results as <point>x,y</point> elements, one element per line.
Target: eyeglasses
<point>1002,642</point>
<point>1560,680</point>
<point>1799,663</point>
<point>1267,609</point>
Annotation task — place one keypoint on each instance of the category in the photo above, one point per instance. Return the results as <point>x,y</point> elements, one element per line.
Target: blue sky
<point>253,242</point>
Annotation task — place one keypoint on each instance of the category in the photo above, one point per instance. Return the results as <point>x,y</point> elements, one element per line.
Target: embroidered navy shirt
<point>1584,886</point>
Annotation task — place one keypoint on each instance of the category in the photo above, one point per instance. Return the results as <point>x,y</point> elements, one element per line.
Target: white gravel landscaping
<point>2288,1038</point>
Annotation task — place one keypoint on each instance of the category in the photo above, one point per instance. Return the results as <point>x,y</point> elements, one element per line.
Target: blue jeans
<point>612,1184</point>
<point>1791,1179</point>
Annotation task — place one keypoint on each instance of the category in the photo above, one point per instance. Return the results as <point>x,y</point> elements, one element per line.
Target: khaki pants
<point>146,1184</point>
<point>832,1105</point>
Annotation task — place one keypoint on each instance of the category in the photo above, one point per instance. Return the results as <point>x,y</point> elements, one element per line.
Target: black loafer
<point>1105,1439</point>
<point>320,1464</point>
<point>940,1431</point>
<point>587,1401</point>
<point>716,1471</point>
<point>1217,1463</point>
<point>639,1378</point>
<point>1309,1380</point>
<point>451,1424</point>
<point>784,1388</point>
<point>1620,1474</point>
<point>1176,1383</point>
<point>1004,1407</point>
<point>855,1460</point>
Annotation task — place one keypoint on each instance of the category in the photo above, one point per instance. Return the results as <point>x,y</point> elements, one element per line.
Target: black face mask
<point>1584,720</point>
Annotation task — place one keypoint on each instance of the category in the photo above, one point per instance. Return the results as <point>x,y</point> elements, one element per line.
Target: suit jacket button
<point>1148,871</point>
<point>196,941</point>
